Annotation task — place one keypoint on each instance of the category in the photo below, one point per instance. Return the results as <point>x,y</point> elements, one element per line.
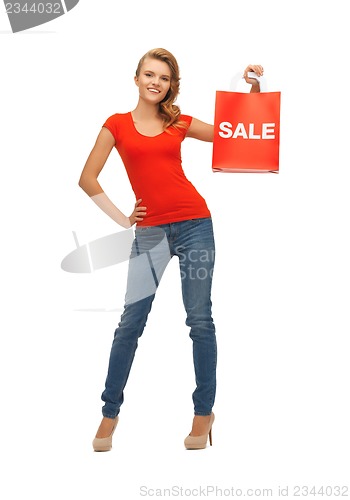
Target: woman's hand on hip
<point>138,213</point>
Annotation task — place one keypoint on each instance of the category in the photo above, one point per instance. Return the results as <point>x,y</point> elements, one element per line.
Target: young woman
<point>171,218</point>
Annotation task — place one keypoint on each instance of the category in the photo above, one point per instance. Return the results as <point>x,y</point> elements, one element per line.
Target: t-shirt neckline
<point>143,135</point>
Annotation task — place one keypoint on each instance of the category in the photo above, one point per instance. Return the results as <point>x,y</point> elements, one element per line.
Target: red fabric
<point>154,168</point>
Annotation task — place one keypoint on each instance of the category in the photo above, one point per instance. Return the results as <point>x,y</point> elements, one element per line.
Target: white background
<point>281,283</point>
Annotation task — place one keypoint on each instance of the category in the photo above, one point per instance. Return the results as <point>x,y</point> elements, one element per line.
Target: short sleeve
<point>186,120</point>
<point>112,125</point>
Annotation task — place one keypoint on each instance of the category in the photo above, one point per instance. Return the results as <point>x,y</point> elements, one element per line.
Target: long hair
<point>169,111</point>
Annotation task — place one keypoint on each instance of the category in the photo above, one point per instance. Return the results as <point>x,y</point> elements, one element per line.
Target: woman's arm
<point>200,130</point>
<point>95,163</point>
<point>89,183</point>
<point>204,131</point>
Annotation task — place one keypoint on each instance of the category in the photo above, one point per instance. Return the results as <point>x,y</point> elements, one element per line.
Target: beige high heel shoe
<point>200,442</point>
<point>105,444</point>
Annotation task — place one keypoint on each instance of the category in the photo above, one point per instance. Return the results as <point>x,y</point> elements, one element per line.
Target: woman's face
<point>154,80</point>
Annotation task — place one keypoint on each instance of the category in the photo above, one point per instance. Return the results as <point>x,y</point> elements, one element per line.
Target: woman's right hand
<point>138,213</point>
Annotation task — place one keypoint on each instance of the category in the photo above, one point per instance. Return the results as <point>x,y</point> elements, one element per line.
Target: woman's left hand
<point>259,70</point>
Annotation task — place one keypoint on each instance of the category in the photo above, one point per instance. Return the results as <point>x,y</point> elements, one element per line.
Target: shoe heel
<point>210,438</point>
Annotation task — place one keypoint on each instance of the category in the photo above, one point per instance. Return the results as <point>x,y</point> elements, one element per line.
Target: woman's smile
<point>153,90</point>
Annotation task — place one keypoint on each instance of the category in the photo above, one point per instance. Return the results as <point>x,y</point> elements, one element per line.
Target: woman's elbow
<point>89,184</point>
<point>81,182</point>
<point>84,182</point>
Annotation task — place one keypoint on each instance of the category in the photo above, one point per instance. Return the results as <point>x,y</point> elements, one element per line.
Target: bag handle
<point>237,77</point>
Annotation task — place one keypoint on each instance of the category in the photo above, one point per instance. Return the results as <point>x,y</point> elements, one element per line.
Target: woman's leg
<point>196,250</point>
<point>149,258</point>
<point>130,328</point>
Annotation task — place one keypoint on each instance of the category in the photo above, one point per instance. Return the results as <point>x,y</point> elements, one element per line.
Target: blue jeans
<point>192,241</point>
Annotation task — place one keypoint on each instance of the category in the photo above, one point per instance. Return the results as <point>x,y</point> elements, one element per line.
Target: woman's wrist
<point>105,204</point>
<point>255,88</point>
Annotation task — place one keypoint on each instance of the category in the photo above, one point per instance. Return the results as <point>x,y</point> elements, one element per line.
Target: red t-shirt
<point>154,168</point>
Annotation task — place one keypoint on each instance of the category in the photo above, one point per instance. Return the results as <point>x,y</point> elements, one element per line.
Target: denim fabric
<point>192,241</point>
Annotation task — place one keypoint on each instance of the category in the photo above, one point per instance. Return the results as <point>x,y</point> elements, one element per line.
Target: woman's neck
<point>146,111</point>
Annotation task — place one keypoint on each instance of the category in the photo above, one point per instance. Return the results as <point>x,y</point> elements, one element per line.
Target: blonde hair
<point>169,112</point>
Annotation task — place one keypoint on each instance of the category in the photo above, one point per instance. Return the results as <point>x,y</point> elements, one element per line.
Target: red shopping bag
<point>246,132</point>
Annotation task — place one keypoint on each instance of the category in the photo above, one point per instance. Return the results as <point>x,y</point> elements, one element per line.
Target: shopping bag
<point>246,131</point>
